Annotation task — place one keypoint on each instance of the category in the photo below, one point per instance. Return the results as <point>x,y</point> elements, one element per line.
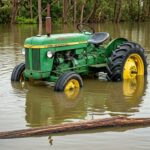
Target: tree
<point>75,11</point>
<point>31,11</point>
<point>145,9</point>
<point>139,9</point>
<point>15,8</point>
<point>65,7</point>
<point>117,11</point>
<point>83,3</point>
<point>40,16</point>
<point>92,5</point>
<point>1,3</point>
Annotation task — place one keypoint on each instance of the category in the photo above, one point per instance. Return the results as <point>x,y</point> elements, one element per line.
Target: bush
<point>5,14</point>
<point>23,20</point>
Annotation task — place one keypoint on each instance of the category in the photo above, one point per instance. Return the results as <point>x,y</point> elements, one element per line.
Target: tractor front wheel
<point>127,62</point>
<point>17,73</point>
<point>70,83</point>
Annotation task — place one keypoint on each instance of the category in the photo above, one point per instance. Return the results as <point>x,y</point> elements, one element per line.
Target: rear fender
<point>112,45</point>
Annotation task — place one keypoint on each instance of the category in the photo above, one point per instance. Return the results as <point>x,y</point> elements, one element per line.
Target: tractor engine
<point>77,60</point>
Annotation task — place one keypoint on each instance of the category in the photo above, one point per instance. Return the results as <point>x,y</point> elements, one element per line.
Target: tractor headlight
<point>23,51</point>
<point>49,54</point>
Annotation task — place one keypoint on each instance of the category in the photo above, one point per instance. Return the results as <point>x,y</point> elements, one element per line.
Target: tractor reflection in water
<point>95,100</point>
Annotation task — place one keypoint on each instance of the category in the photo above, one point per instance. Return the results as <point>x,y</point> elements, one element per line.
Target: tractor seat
<point>98,38</point>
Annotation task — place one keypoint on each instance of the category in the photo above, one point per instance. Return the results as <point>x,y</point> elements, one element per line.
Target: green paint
<point>70,52</point>
<point>113,45</point>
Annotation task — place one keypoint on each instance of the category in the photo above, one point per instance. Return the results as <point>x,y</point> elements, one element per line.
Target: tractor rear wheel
<point>70,83</point>
<point>17,73</point>
<point>127,62</point>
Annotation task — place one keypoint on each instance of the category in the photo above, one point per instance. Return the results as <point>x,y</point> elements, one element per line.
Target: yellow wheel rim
<point>72,88</point>
<point>72,84</point>
<point>133,67</point>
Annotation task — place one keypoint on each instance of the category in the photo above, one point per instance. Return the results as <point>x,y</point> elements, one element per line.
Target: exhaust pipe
<point>48,21</point>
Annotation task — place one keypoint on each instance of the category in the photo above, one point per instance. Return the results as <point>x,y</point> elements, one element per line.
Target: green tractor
<point>65,58</point>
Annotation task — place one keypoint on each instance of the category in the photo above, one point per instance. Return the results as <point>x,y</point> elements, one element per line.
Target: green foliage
<point>56,12</point>
<point>5,14</point>
<point>23,20</point>
<point>107,11</point>
<point>94,10</point>
<point>130,11</point>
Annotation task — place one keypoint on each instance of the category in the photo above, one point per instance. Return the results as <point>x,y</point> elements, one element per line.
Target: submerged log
<point>77,126</point>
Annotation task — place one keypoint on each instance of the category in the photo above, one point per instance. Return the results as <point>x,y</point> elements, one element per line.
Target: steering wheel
<point>83,28</point>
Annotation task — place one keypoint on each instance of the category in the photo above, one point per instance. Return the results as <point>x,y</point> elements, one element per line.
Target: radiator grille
<point>36,59</point>
<point>32,59</point>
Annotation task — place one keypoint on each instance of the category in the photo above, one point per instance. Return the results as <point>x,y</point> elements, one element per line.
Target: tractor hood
<point>56,40</point>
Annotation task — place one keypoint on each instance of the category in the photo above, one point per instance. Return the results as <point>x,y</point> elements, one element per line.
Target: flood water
<point>37,104</point>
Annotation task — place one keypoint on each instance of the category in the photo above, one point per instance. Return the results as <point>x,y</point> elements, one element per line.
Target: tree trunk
<point>65,8</point>
<point>15,7</point>
<point>145,9</point>
<point>77,126</point>
<point>82,11</point>
<point>117,11</point>
<point>92,10</point>
<point>131,7</point>
<point>1,3</point>
<point>31,11</point>
<point>148,9</point>
<point>139,10</point>
<point>40,16</point>
<point>75,11</point>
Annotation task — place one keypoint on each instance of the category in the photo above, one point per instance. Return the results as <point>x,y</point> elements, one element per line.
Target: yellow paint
<point>72,89</point>
<point>53,45</point>
<point>133,67</point>
<point>129,87</point>
<point>72,94</point>
<point>73,83</point>
<point>133,89</point>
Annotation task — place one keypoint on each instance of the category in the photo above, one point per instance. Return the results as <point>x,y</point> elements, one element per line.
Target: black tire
<point>119,57</point>
<point>131,45</point>
<point>17,73</point>
<point>65,78</point>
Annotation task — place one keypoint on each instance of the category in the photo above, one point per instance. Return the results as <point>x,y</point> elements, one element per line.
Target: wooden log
<point>77,126</point>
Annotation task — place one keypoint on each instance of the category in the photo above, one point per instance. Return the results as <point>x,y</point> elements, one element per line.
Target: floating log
<point>77,126</point>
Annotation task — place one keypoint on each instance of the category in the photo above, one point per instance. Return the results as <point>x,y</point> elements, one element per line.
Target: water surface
<point>38,105</point>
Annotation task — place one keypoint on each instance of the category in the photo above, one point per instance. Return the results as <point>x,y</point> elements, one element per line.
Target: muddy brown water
<point>37,104</point>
